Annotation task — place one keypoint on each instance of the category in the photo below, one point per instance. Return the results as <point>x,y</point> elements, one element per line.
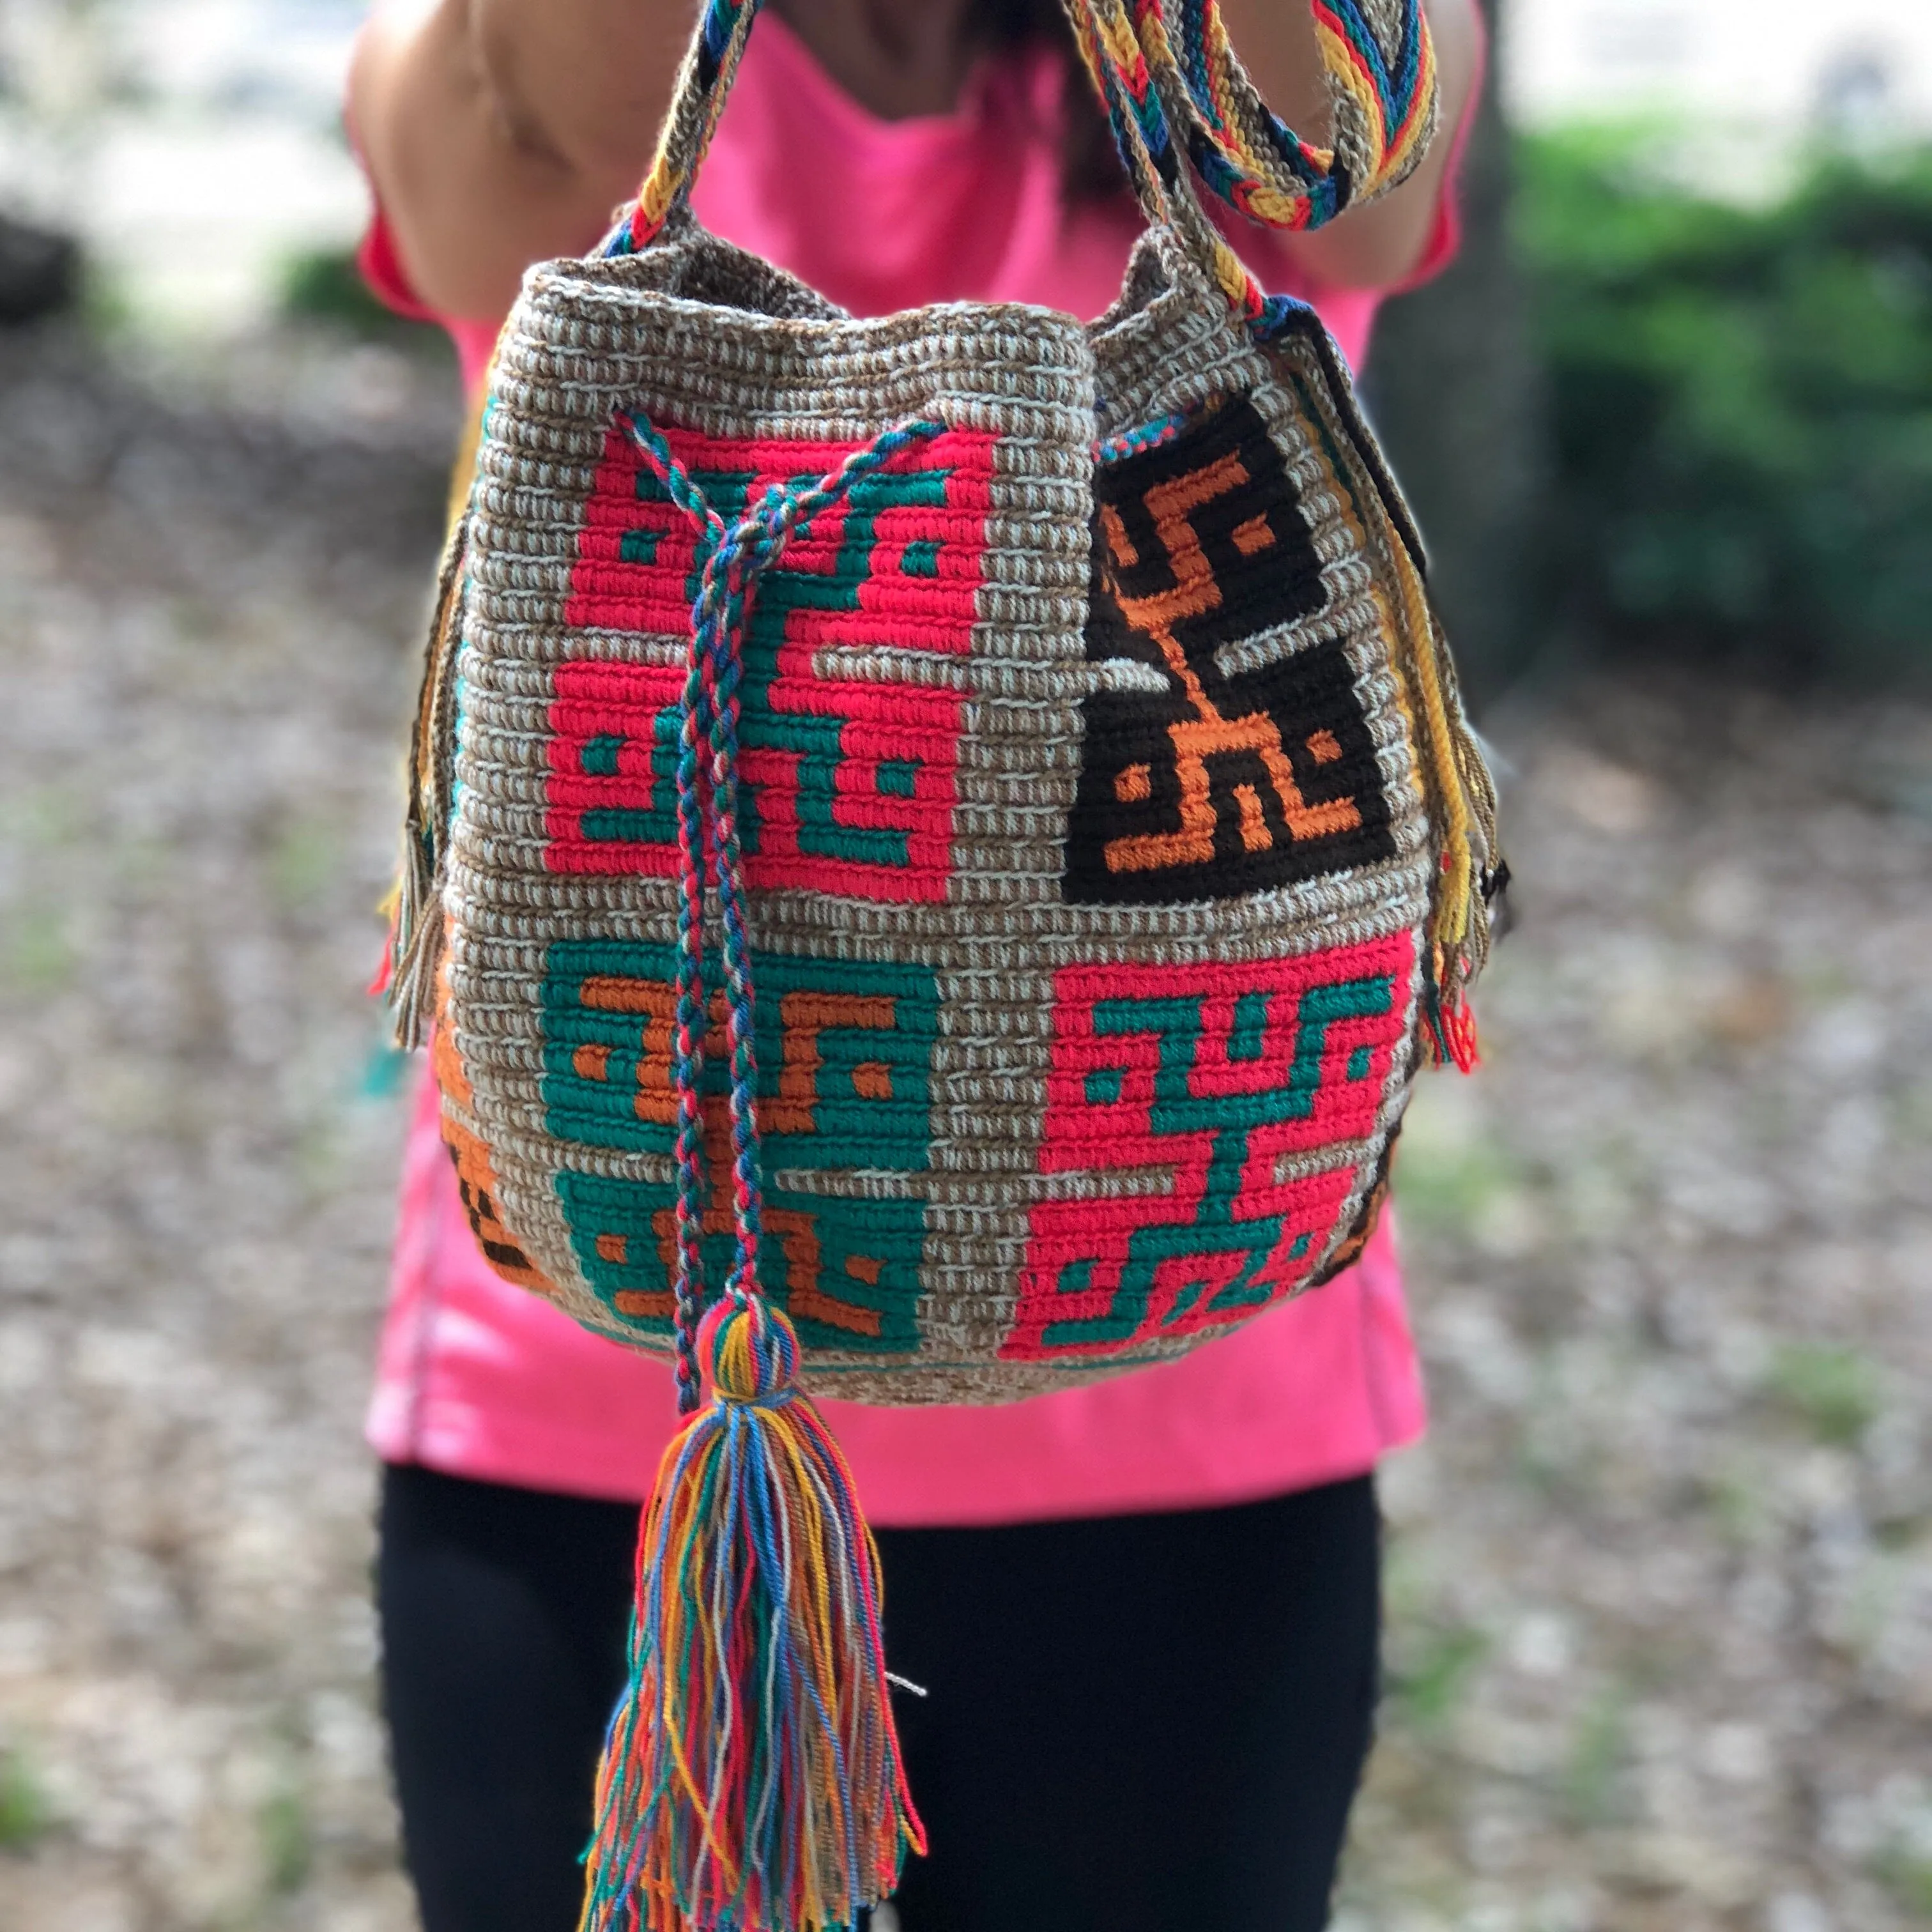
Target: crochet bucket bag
<point>937,845</point>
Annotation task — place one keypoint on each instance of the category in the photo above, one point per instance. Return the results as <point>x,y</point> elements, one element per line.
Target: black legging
<point>1140,1724</point>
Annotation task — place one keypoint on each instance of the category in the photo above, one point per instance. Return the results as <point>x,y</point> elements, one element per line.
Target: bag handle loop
<point>1158,65</point>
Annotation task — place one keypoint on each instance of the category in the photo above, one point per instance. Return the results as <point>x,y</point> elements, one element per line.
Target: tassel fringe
<point>1465,800</point>
<point>751,1774</point>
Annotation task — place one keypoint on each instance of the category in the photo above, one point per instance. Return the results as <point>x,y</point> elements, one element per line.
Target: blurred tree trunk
<point>1454,388</point>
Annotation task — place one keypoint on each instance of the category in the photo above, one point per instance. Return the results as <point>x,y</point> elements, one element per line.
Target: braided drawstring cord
<point>732,558</point>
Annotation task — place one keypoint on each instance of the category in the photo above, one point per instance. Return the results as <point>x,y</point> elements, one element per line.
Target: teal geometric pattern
<point>1213,1074</point>
<point>845,1054</point>
<point>814,739</point>
<point>847,1272</point>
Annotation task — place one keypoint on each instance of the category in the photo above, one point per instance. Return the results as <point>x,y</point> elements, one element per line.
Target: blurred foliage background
<point>1664,406</point>
<point>1739,406</point>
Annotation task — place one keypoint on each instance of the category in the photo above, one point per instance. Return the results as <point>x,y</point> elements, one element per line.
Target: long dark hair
<point>1009,23</point>
<point>1092,167</point>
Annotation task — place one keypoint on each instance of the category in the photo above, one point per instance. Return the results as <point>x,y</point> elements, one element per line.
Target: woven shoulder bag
<point>937,845</point>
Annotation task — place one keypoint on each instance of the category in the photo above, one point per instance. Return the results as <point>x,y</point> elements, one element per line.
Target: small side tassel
<point>390,911</point>
<point>1465,804</point>
<point>1452,1032</point>
<point>416,949</point>
<point>751,1774</point>
<point>1449,1021</point>
<point>415,929</point>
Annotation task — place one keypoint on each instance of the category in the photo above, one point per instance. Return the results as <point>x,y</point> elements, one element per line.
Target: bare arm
<point>499,132</point>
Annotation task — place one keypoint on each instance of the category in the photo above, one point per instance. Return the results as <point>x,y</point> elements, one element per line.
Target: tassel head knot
<point>749,1349</point>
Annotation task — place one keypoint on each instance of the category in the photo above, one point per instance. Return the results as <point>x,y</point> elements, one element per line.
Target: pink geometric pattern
<point>1206,1077</point>
<point>850,784</point>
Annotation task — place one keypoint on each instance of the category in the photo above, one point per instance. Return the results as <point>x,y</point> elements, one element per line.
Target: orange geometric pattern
<point>1219,784</point>
<point>476,1184</point>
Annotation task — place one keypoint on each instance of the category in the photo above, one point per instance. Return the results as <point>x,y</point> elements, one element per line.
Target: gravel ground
<point>1661,1588</point>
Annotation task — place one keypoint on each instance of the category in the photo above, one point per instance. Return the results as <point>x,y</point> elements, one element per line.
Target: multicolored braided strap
<point>1381,93</point>
<point>1159,65</point>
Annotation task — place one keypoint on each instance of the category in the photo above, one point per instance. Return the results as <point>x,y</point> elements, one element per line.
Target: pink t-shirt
<point>482,1379</point>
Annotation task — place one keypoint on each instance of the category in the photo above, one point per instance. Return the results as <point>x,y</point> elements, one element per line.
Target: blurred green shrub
<point>1740,403</point>
<point>1836,1390</point>
<point>24,1816</point>
<point>324,285</point>
<point>1429,1676</point>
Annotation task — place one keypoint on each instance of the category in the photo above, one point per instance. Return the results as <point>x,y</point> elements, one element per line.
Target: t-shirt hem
<point>456,1440</point>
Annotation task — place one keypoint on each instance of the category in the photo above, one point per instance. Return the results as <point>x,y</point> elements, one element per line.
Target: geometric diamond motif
<point>1206,1078</point>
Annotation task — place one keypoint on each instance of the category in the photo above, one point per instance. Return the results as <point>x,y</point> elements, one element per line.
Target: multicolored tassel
<point>1450,1022</point>
<point>751,1775</point>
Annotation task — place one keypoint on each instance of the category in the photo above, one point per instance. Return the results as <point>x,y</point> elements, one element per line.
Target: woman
<point>1146,1611</point>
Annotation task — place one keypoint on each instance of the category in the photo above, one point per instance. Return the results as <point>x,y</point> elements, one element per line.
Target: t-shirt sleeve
<point>381,268</point>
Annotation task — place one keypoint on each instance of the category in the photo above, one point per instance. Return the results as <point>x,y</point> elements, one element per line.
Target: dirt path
<point>1661,1582</point>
